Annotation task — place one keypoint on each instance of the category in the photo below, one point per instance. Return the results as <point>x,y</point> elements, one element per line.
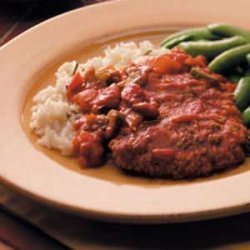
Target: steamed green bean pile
<point>227,50</point>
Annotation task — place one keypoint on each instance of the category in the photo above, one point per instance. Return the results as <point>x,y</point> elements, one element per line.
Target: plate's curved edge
<point>131,219</point>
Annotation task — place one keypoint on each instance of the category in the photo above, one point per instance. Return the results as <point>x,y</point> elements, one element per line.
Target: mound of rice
<point>52,116</point>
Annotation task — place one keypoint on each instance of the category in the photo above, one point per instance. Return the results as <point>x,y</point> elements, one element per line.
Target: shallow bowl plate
<point>28,170</point>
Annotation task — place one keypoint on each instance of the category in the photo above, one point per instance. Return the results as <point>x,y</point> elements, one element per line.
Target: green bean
<point>239,70</point>
<point>248,59</point>
<point>210,49</point>
<point>242,93</point>
<point>247,73</point>
<point>246,117</point>
<point>230,58</point>
<point>199,74</point>
<point>175,41</point>
<point>236,74</point>
<point>227,30</point>
<point>195,34</point>
<point>234,77</point>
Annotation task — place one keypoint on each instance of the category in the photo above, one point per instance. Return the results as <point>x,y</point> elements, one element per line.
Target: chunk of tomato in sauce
<point>85,99</point>
<point>75,85</point>
<point>165,64</point>
<point>89,148</point>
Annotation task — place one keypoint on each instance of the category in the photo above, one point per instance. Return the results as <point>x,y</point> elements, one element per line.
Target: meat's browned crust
<point>188,150</point>
<point>198,132</point>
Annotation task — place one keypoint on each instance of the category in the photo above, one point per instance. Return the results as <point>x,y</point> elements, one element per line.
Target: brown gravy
<point>107,172</point>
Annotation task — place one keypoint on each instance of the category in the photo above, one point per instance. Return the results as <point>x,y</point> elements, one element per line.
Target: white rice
<point>52,115</point>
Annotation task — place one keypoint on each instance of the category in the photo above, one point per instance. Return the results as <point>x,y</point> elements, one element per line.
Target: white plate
<point>30,171</point>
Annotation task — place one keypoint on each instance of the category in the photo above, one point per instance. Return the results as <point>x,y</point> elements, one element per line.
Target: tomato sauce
<point>164,116</point>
